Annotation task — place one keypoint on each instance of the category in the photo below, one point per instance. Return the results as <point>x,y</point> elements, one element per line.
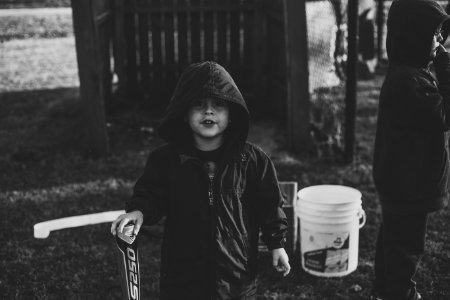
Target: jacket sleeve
<point>271,218</point>
<point>435,99</point>
<point>442,67</point>
<point>150,192</point>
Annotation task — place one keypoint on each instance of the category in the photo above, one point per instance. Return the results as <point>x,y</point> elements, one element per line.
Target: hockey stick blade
<point>42,230</point>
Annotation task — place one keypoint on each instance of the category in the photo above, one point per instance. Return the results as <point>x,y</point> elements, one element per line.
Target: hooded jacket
<point>411,157</point>
<point>211,232</point>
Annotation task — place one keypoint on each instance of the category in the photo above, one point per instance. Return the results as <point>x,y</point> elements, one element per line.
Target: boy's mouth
<point>207,122</point>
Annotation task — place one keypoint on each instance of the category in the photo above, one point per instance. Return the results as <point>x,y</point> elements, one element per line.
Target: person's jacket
<point>411,155</point>
<point>210,242</point>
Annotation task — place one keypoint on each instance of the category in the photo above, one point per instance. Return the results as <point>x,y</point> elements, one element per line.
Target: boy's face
<point>437,38</point>
<point>208,119</point>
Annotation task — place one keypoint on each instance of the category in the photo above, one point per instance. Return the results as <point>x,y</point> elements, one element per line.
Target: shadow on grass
<point>42,121</point>
<point>41,136</point>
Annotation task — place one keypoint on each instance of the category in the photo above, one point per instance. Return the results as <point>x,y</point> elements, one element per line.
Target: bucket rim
<point>343,206</point>
<point>337,188</point>
<point>331,214</point>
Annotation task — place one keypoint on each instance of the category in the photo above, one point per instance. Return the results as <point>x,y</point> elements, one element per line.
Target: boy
<point>411,159</point>
<point>215,189</point>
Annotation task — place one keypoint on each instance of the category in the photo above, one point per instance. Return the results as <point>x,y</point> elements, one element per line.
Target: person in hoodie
<point>216,190</point>
<point>411,155</point>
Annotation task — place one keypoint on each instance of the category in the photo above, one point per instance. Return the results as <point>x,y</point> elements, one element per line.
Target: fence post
<point>380,29</point>
<point>89,72</point>
<point>297,77</point>
<point>352,69</point>
<point>119,45</point>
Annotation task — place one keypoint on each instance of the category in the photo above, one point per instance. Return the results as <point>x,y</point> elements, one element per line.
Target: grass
<point>38,64</point>
<point>46,25</point>
<point>44,176</point>
<point>35,3</point>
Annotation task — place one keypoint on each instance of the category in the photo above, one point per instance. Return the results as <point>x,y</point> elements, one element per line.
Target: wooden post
<point>89,72</point>
<point>298,106</point>
<point>258,87</point>
<point>263,87</point>
<point>352,69</point>
<point>119,45</point>
<point>380,29</point>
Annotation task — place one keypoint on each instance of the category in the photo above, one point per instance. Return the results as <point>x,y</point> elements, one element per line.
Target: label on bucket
<point>328,252</point>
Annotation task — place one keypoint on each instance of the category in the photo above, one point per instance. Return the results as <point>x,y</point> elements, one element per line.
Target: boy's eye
<point>220,103</point>
<point>214,103</point>
<point>197,103</point>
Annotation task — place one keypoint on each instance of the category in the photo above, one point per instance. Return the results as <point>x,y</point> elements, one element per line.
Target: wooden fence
<point>154,40</point>
<point>157,39</point>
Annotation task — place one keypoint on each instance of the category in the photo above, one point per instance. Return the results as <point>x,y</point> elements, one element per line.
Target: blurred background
<point>83,87</point>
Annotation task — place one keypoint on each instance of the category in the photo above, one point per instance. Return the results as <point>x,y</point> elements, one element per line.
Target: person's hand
<point>135,217</point>
<point>280,261</point>
<point>440,49</point>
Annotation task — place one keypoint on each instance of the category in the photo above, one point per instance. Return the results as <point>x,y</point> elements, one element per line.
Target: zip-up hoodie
<point>211,231</point>
<point>411,160</point>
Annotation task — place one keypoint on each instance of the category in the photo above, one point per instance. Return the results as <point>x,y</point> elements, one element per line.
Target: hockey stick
<point>127,250</point>
<point>42,230</point>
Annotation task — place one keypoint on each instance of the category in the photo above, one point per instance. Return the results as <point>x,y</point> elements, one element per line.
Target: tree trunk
<point>89,71</point>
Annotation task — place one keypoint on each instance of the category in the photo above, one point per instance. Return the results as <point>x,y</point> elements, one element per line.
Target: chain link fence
<point>327,46</point>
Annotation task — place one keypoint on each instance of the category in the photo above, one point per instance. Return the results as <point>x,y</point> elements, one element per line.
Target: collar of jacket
<point>188,153</point>
<point>185,158</point>
<point>426,69</point>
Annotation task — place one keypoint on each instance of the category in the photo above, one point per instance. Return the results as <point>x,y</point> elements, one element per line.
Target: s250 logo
<point>133,274</point>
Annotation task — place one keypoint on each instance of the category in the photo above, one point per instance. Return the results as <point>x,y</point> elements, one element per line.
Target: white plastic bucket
<point>330,219</point>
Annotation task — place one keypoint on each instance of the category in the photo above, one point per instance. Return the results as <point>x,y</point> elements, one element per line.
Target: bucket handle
<point>361,214</point>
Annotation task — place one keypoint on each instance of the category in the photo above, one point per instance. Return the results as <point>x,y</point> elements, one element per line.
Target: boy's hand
<point>440,49</point>
<point>280,261</point>
<point>135,217</point>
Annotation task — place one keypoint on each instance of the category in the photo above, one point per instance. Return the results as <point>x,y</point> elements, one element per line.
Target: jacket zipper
<point>211,191</point>
<point>211,206</point>
<point>212,228</point>
<point>432,77</point>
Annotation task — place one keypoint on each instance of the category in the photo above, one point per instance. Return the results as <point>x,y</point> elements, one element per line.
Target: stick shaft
<point>128,262</point>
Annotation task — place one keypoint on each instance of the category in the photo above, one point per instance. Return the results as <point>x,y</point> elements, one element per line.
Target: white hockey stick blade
<point>42,230</point>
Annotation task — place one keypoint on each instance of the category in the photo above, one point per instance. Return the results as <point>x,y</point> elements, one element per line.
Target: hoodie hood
<point>410,28</point>
<point>199,81</point>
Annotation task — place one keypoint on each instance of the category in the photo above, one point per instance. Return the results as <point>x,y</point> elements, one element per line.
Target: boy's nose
<point>209,107</point>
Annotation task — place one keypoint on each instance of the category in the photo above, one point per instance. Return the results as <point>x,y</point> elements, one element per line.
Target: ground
<point>45,176</point>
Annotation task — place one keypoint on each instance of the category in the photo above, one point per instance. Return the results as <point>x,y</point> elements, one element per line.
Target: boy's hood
<point>200,81</point>
<point>410,28</point>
